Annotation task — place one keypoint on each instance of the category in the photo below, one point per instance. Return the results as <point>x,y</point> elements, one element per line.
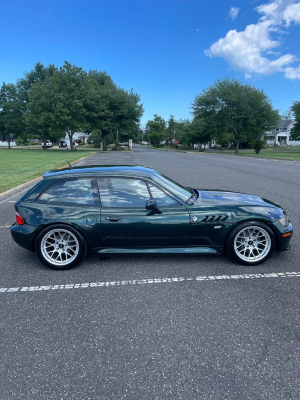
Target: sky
<point>167,51</point>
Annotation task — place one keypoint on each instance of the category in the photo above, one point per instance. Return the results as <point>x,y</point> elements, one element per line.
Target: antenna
<point>69,164</point>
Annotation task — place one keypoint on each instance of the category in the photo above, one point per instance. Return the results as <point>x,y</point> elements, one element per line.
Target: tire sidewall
<point>234,232</point>
<point>81,241</point>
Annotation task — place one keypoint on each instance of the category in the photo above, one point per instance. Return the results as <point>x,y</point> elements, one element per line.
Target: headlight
<point>284,221</point>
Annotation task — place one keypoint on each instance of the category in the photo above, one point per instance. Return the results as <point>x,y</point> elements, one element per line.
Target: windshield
<point>180,191</point>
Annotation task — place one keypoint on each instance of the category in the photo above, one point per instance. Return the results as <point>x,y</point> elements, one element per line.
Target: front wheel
<point>60,246</point>
<point>251,243</point>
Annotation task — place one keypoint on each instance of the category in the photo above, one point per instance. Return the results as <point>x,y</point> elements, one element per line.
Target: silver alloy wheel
<point>59,247</point>
<point>252,243</point>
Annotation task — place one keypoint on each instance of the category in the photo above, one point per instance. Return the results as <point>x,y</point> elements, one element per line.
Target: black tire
<point>60,247</point>
<point>246,251</point>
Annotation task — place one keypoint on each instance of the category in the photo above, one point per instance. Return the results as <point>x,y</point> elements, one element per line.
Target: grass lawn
<point>285,153</point>
<point>19,165</point>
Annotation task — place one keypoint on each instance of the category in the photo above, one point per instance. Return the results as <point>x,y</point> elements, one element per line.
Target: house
<point>281,134</point>
<point>77,135</point>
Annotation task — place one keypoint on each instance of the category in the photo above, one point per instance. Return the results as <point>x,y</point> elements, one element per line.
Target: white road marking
<point>12,201</point>
<point>4,226</point>
<point>148,281</point>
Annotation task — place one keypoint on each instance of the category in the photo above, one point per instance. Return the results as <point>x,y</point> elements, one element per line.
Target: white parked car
<point>198,146</point>
<point>48,143</point>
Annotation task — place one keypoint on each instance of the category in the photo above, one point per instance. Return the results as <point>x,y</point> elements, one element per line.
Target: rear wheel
<point>60,247</point>
<point>251,243</point>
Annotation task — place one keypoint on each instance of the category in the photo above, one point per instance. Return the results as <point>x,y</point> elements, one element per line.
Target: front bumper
<point>283,235</point>
<point>24,235</point>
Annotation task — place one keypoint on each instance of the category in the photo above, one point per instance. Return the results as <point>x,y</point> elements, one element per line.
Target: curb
<point>266,158</point>
<point>13,191</point>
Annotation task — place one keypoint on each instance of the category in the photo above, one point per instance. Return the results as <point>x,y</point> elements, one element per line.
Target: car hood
<point>218,197</point>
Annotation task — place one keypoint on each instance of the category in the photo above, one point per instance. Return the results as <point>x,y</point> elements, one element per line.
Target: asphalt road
<point>154,328</point>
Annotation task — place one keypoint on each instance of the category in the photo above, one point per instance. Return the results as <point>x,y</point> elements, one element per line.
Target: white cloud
<point>248,50</point>
<point>292,14</point>
<point>234,12</point>
<point>292,73</point>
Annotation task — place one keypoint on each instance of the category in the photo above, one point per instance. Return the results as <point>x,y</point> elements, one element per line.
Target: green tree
<point>228,106</point>
<point>195,132</point>
<point>156,129</point>
<point>99,122</point>
<point>295,132</point>
<point>170,131</point>
<point>11,112</point>
<point>40,117</point>
<point>121,110</point>
<point>36,124</point>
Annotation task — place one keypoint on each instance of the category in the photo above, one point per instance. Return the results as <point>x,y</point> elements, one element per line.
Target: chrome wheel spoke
<point>252,244</point>
<point>60,247</point>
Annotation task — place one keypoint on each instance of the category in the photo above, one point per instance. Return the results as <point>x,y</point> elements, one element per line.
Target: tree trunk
<point>8,141</point>
<point>117,142</point>
<point>70,134</point>
<point>237,146</point>
<point>44,141</point>
<point>104,144</point>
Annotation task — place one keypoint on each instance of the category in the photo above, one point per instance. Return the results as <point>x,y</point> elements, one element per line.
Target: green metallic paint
<point>24,235</point>
<point>143,231</point>
<point>141,227</point>
<point>84,218</point>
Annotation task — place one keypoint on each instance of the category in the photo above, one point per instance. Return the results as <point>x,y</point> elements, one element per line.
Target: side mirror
<point>151,205</point>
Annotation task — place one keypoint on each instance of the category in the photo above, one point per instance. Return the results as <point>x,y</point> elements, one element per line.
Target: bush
<point>20,142</point>
<point>258,145</point>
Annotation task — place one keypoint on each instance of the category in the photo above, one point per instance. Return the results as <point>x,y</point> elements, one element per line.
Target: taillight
<point>19,218</point>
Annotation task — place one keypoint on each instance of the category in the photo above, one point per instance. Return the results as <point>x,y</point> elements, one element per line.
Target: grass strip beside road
<point>279,154</point>
<point>19,166</point>
<point>285,153</point>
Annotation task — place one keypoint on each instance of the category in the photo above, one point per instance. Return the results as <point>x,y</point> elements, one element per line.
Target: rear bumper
<point>24,235</point>
<point>283,235</point>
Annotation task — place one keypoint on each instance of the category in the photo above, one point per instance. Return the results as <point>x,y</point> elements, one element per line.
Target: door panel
<point>138,227</point>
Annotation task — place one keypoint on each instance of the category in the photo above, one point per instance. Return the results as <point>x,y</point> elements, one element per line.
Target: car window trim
<point>172,197</point>
<point>95,190</point>
<point>121,177</point>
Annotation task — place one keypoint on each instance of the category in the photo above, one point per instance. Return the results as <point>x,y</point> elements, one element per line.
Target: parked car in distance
<point>48,144</point>
<point>62,143</point>
<point>122,209</point>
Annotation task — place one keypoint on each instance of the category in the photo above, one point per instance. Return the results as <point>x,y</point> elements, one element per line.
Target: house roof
<point>284,123</point>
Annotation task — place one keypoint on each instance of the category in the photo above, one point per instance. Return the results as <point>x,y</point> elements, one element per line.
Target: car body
<point>62,143</point>
<point>124,209</point>
<point>48,143</point>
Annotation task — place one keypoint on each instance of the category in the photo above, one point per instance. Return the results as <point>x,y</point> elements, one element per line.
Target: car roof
<point>101,170</point>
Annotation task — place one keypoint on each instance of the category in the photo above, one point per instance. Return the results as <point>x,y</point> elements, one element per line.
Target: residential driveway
<point>172,327</point>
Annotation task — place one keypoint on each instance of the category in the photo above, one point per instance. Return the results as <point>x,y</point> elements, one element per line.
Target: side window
<point>72,191</point>
<point>123,192</point>
<point>161,198</point>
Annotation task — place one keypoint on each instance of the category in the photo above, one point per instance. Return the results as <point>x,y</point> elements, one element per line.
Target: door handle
<point>113,219</point>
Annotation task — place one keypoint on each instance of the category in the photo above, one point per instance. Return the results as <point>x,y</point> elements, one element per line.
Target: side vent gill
<point>214,218</point>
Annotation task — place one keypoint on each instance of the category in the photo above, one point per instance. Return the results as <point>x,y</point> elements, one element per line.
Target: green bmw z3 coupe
<point>124,209</point>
